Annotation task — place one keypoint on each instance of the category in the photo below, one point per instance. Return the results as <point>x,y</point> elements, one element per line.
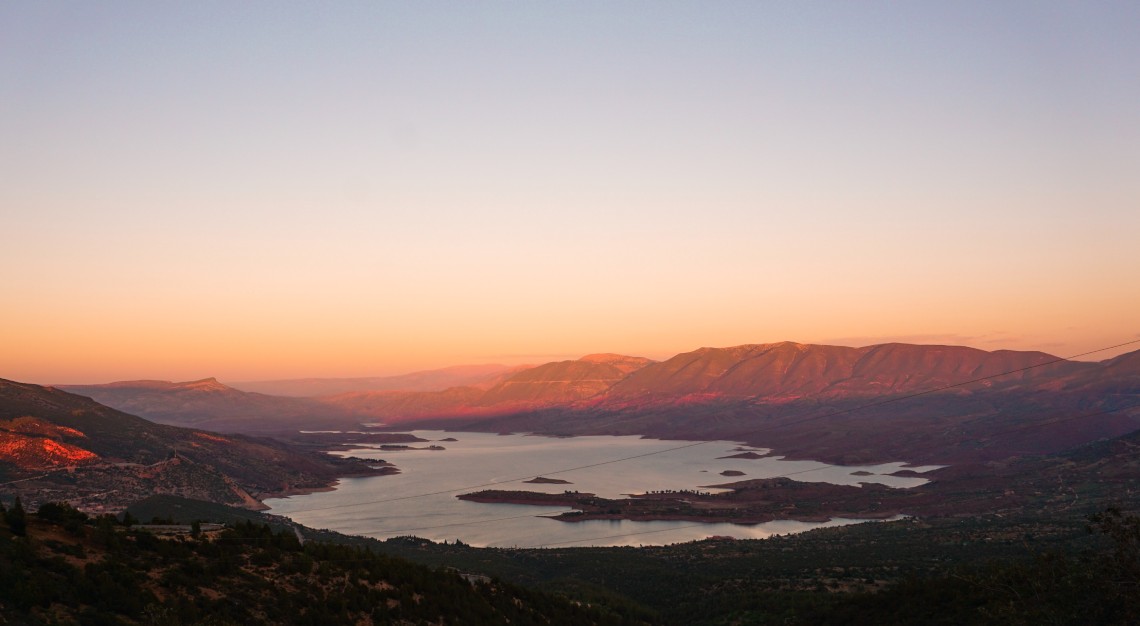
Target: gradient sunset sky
<point>268,190</point>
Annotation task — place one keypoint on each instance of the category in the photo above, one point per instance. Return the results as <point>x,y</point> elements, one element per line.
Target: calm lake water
<point>421,500</point>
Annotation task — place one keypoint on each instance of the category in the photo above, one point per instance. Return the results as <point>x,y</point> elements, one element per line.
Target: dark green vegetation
<point>1072,569</point>
<point>69,569</point>
<point>991,570</point>
<point>1002,535</point>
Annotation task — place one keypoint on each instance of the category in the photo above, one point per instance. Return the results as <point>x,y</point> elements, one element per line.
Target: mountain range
<point>809,400</point>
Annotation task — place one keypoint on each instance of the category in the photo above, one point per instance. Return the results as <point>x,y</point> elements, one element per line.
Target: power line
<point>1062,420</point>
<point>782,475</point>
<point>700,525</point>
<point>514,517</point>
<point>704,442</point>
<point>644,532</point>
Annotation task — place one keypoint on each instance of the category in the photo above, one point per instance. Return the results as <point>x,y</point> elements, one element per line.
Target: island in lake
<point>744,455</point>
<point>747,502</point>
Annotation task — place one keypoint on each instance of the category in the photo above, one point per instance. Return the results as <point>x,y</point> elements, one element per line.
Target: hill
<point>55,442</point>
<point>63,568</point>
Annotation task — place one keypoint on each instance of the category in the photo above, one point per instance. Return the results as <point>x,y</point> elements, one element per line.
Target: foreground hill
<point>51,440</point>
<point>60,568</point>
<point>211,405</point>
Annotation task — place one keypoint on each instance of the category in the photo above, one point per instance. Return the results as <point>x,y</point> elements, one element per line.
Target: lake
<point>421,499</point>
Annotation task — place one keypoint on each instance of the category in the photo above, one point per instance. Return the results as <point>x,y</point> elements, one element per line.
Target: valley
<point>953,464</point>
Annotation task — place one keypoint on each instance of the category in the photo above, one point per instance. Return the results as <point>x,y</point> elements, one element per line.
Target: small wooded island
<point>748,502</point>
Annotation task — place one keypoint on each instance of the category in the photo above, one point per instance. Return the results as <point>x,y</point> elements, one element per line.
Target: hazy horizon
<point>1100,353</point>
<point>269,191</point>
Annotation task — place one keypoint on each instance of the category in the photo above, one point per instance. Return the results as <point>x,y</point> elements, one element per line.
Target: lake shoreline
<point>569,479</point>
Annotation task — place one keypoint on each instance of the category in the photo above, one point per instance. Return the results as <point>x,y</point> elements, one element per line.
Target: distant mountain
<point>400,406</point>
<point>803,399</point>
<point>1120,375</point>
<point>51,440</point>
<point>211,405</point>
<point>428,380</point>
<point>792,371</point>
<point>562,382</point>
<point>855,405</point>
<point>551,384</point>
<point>761,373</point>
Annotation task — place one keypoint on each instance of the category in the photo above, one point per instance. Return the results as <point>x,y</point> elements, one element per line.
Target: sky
<point>264,190</point>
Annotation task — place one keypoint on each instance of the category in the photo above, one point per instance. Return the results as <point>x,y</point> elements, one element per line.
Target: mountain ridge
<point>729,392</point>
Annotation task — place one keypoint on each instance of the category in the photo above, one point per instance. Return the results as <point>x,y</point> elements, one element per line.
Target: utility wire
<point>623,535</point>
<point>782,475</point>
<point>701,443</point>
<point>1026,427</point>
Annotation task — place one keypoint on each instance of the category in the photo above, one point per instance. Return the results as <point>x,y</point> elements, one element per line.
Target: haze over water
<point>389,506</point>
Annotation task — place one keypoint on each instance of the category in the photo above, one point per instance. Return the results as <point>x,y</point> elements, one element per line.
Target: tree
<point>17,519</point>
